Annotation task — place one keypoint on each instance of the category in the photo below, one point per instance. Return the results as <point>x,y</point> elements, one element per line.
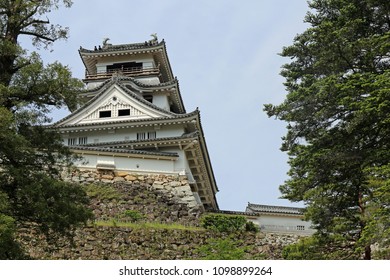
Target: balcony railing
<point>132,71</point>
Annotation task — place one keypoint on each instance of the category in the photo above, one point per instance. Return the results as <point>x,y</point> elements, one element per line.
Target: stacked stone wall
<point>164,199</point>
<point>115,243</point>
<point>161,197</point>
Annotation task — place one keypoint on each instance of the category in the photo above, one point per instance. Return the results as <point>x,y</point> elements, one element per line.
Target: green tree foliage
<point>320,247</point>
<point>227,223</point>
<point>222,249</point>
<point>9,248</point>
<point>337,110</point>
<point>377,230</point>
<point>132,215</point>
<point>31,156</point>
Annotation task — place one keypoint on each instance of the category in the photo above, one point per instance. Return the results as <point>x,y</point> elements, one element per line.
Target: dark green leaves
<point>43,86</point>
<point>338,114</point>
<point>31,156</point>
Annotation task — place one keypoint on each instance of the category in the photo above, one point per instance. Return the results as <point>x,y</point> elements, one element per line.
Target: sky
<point>225,56</point>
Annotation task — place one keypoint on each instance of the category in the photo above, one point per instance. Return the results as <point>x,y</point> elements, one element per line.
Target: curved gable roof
<point>172,85</point>
<point>128,91</point>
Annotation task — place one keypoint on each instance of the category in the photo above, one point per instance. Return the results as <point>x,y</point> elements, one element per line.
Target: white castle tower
<point>134,119</point>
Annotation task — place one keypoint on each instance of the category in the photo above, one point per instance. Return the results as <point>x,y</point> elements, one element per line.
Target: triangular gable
<point>114,104</point>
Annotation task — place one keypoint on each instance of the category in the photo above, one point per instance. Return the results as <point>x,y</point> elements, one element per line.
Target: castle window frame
<point>123,112</point>
<point>146,135</point>
<point>148,98</point>
<point>141,136</point>
<point>83,140</point>
<point>105,114</point>
<point>72,141</point>
<point>300,227</point>
<point>152,135</point>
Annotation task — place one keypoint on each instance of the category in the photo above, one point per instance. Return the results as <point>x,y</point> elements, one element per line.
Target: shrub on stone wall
<point>250,226</point>
<point>227,223</point>
<point>222,249</point>
<point>223,223</point>
<point>102,192</point>
<point>132,215</point>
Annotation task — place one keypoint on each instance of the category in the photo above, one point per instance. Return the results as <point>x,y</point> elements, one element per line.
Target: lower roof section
<point>272,209</point>
<point>122,152</point>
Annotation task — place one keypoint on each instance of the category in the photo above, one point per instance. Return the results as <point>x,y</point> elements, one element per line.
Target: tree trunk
<point>6,70</point>
<point>367,252</point>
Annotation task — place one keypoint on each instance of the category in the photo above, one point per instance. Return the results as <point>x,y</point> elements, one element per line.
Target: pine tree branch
<point>43,37</point>
<point>29,15</point>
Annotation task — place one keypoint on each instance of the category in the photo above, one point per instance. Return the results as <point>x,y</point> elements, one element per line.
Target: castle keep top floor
<point>147,62</point>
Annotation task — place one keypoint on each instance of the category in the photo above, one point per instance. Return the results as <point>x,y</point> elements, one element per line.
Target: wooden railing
<point>132,71</point>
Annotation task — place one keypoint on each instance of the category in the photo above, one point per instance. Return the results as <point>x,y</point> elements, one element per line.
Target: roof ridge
<point>273,206</point>
<point>127,78</point>
<point>174,117</point>
<point>120,47</point>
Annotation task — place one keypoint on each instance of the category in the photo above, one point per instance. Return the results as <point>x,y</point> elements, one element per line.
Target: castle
<point>133,119</point>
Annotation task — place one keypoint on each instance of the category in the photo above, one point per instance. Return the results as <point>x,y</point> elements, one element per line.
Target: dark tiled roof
<point>259,208</point>
<point>166,119</point>
<point>129,142</point>
<point>124,151</point>
<point>135,81</point>
<point>122,47</point>
<point>238,213</point>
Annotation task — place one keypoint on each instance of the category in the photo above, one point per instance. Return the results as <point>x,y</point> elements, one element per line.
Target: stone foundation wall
<point>176,188</point>
<point>115,243</point>
<point>164,199</point>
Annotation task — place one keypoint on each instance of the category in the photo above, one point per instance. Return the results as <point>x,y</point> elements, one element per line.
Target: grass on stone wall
<point>102,192</point>
<point>143,225</point>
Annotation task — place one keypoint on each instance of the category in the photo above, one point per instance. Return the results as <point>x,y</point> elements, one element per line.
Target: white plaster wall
<point>171,131</point>
<point>124,134</point>
<point>180,165</point>
<point>283,224</point>
<point>148,80</point>
<point>129,164</point>
<point>92,85</point>
<point>161,101</point>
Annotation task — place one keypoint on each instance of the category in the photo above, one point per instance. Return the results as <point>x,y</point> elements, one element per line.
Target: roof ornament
<point>105,44</point>
<point>154,39</point>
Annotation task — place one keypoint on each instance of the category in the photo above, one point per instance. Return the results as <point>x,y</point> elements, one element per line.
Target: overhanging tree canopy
<point>338,114</point>
<point>30,155</point>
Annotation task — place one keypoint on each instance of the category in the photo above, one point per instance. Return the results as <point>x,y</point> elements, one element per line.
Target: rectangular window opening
<point>123,112</point>
<point>146,135</point>
<point>149,98</point>
<point>104,114</point>
<point>152,135</point>
<point>83,140</point>
<point>71,141</point>
<point>125,66</point>
<point>141,136</point>
<point>300,227</point>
